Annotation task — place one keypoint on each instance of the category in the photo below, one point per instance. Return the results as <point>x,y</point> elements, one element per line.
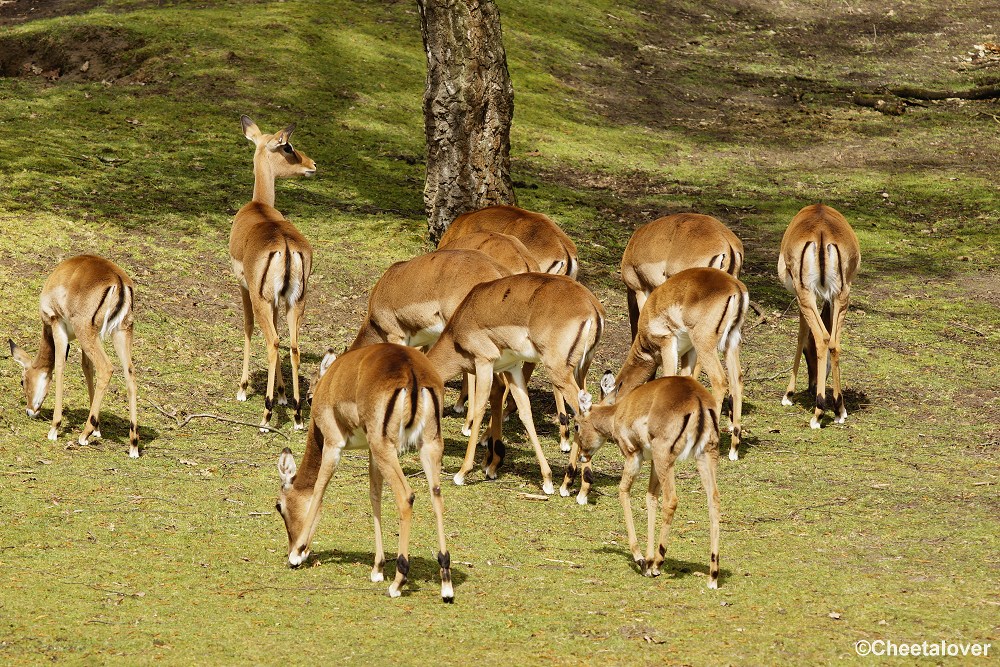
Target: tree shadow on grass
<point>423,571</point>
<point>674,568</point>
<point>855,400</point>
<point>114,429</point>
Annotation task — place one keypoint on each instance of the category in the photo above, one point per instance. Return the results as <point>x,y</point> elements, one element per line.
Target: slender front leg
<point>495,449</point>
<point>279,377</point>
<point>61,343</point>
<point>479,386</point>
<point>519,392</point>
<point>652,497</point>
<point>838,318</point>
<point>122,340</point>
<point>633,463</point>
<point>375,496</point>
<point>241,395</point>
<point>803,336</point>
<point>265,318</point>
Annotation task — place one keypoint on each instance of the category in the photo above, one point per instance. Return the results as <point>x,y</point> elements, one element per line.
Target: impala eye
<point>288,149</point>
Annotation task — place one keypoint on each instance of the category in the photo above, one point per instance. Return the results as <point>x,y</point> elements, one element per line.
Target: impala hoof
<point>564,492</point>
<point>548,488</point>
<point>133,452</point>
<point>377,577</point>
<point>814,423</point>
<point>459,479</point>
<point>241,395</point>
<point>581,499</point>
<point>733,454</point>
<point>282,400</point>
<point>466,431</point>
<point>713,584</point>
<point>458,409</point>
<point>785,400</point>
<point>82,440</point>
<point>564,447</point>
<point>299,426</point>
<point>54,434</point>
<point>394,592</point>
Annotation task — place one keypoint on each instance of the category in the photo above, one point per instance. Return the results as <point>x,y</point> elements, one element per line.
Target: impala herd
<point>498,298</point>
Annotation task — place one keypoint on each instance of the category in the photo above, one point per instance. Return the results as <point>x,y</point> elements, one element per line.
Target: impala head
<point>293,506</point>
<point>276,149</point>
<point>589,437</point>
<point>34,380</point>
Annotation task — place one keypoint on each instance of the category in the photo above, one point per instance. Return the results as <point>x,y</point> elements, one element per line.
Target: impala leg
<point>463,397</point>
<point>61,343</point>
<point>519,392</point>
<point>800,346</point>
<point>279,377</point>
<point>102,370</point>
<point>735,371</point>
<point>375,480</point>
<point>664,471</point>
<point>431,453</point>
<point>565,440</point>
<point>294,319</point>
<point>479,386</point>
<point>241,395</point>
<point>332,448</point>
<point>719,382</point>
<point>810,313</point>
<point>668,355</point>
<point>839,316</point>
<point>88,375</point>
<point>495,449</point>
<point>633,463</point>
<point>122,340</point>
<point>707,464</point>
<point>510,407</point>
<point>571,469</point>
<point>385,458</point>
<point>265,318</point>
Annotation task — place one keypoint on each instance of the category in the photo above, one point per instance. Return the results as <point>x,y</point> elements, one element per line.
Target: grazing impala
<point>272,262</point>
<point>503,324</point>
<point>554,252</point>
<point>671,244</point>
<point>819,258</point>
<point>689,319</point>
<point>665,420</point>
<point>385,398</point>
<point>88,298</point>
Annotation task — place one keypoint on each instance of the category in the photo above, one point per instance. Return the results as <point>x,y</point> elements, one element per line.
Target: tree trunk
<point>468,107</point>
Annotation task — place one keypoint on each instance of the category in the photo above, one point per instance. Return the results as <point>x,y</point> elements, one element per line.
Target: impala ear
<point>328,359</point>
<point>19,355</point>
<point>586,402</point>
<point>250,129</point>
<point>286,467</point>
<point>607,384</point>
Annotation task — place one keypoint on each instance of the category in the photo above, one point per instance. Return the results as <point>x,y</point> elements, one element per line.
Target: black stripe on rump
<point>414,395</point>
<point>732,260</point>
<point>802,261</point>
<point>687,417</point>
<point>263,275</point>
<point>722,319</point>
<point>388,411</point>
<point>572,348</point>
<point>93,319</point>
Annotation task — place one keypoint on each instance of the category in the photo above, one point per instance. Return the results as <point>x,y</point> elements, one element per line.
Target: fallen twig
<point>207,415</point>
<point>968,328</point>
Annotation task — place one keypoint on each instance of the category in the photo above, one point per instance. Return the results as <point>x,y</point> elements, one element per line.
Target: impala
<point>88,298</point>
<point>671,244</point>
<point>272,262</point>
<point>665,420</point>
<point>819,258</point>
<point>503,324</point>
<point>385,398</point>
<point>553,251</point>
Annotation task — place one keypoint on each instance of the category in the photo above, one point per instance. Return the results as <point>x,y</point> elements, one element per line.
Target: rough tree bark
<point>468,107</point>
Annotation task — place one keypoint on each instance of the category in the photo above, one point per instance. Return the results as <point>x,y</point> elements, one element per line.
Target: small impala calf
<point>503,325</point>
<point>554,252</point>
<point>385,398</point>
<point>671,244</point>
<point>272,262</point>
<point>819,258</point>
<point>665,420</point>
<point>88,298</point>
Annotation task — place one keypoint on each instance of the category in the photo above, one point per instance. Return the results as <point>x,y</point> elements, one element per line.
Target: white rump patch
<point>293,291</point>
<point>112,324</point>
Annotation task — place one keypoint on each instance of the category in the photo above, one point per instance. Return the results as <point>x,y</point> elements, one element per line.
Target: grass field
<point>120,135</point>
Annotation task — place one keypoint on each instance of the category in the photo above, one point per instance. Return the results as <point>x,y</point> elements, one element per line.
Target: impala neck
<point>639,368</point>
<point>305,476</point>
<point>367,335</point>
<point>263,178</point>
<point>602,418</point>
<point>446,358</point>
<point>45,360</point>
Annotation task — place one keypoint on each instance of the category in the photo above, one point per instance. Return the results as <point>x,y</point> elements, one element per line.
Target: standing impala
<point>503,324</point>
<point>670,244</point>
<point>819,258</point>
<point>665,421</point>
<point>272,262</point>
<point>88,298</point>
<point>387,399</point>
<point>554,252</point>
